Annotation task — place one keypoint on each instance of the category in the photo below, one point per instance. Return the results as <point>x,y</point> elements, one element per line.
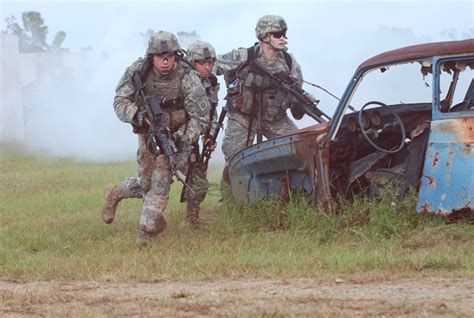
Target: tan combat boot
<point>192,215</point>
<point>144,238</point>
<point>113,195</point>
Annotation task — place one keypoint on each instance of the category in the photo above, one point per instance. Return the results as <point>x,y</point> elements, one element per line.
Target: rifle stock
<point>206,149</point>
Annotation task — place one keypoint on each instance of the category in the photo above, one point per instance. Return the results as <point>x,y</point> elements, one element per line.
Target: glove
<point>297,111</point>
<point>139,119</point>
<point>209,142</point>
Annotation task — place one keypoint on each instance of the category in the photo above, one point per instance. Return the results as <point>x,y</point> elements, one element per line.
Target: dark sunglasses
<point>278,34</point>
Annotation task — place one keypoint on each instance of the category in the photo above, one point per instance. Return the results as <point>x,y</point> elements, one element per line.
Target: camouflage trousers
<point>131,188</point>
<point>236,132</point>
<point>153,183</point>
<point>137,187</point>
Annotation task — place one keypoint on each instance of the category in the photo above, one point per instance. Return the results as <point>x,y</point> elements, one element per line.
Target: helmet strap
<point>273,47</point>
<point>269,42</point>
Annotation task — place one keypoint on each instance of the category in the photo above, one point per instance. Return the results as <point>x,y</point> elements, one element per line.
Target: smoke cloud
<point>70,113</point>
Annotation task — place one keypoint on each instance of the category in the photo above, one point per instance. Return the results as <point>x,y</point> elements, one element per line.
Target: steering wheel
<point>398,122</point>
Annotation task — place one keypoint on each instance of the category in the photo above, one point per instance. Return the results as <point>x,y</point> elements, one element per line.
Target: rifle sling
<point>249,131</point>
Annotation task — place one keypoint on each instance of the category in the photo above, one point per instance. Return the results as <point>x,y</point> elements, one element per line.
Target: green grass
<point>50,228</point>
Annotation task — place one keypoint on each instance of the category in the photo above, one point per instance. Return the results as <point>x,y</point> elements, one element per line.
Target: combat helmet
<point>163,42</point>
<point>268,24</point>
<point>200,50</point>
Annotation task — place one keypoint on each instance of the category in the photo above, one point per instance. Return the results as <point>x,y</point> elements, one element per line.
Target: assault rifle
<point>159,139</point>
<point>209,140</point>
<point>288,84</point>
<point>207,147</point>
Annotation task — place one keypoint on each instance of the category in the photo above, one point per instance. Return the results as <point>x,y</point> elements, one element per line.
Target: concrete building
<point>20,77</point>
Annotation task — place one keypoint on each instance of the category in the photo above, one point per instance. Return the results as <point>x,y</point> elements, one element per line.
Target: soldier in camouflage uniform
<point>243,89</point>
<point>203,60</point>
<point>186,112</point>
<point>202,56</point>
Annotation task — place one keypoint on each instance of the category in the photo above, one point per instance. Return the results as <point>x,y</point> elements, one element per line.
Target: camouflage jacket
<point>195,100</point>
<point>232,65</point>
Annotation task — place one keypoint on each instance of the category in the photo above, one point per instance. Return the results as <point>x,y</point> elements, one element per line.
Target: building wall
<point>21,74</point>
<point>11,102</point>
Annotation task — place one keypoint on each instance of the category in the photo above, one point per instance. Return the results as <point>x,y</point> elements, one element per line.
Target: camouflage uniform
<point>131,187</point>
<point>186,114</point>
<point>200,50</point>
<point>240,94</point>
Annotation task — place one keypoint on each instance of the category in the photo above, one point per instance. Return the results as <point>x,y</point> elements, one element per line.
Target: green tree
<point>32,36</point>
<point>58,40</point>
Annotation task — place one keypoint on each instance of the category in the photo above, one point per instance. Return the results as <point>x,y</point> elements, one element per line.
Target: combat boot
<point>192,215</point>
<point>144,237</point>
<point>113,195</point>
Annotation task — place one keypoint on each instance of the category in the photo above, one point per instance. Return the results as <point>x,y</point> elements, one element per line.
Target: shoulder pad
<point>137,65</point>
<point>185,63</point>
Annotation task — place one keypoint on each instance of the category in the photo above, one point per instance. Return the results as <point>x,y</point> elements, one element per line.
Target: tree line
<point>32,33</point>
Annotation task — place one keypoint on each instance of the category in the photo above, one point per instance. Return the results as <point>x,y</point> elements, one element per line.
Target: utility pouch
<point>235,102</point>
<point>249,80</point>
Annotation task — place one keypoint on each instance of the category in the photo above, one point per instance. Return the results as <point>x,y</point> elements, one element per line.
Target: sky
<point>328,38</point>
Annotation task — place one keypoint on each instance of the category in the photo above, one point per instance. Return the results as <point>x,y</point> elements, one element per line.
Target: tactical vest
<point>249,84</point>
<point>169,90</point>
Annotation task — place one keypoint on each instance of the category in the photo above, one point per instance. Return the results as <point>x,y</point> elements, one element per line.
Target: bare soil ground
<point>250,297</point>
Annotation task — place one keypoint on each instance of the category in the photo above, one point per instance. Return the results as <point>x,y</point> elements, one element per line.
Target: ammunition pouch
<point>235,101</point>
<point>176,119</point>
<point>256,80</point>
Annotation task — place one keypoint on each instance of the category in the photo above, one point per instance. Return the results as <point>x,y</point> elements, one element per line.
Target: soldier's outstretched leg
<point>129,188</point>
<point>132,187</point>
<point>152,221</point>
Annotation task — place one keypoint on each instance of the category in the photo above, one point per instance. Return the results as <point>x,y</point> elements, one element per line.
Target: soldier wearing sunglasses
<point>255,108</point>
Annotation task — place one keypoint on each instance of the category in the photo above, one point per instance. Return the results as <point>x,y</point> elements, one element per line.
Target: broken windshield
<point>456,86</point>
<point>394,85</point>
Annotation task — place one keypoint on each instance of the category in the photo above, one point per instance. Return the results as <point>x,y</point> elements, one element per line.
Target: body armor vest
<point>169,90</point>
<point>273,105</point>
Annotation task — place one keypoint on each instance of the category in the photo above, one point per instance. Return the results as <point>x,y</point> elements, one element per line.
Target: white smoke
<point>71,114</point>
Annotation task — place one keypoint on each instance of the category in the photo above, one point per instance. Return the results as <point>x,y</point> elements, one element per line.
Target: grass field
<point>50,228</point>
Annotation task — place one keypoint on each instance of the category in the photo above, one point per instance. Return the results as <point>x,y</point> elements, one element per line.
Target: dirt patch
<point>254,297</point>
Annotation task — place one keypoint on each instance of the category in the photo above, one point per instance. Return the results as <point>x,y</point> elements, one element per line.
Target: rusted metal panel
<point>273,167</point>
<point>420,51</point>
<point>447,183</point>
<point>321,171</point>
